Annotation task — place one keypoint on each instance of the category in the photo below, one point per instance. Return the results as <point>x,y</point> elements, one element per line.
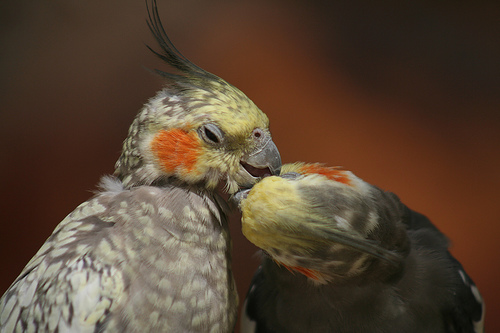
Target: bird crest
<point>192,78</point>
<point>198,129</point>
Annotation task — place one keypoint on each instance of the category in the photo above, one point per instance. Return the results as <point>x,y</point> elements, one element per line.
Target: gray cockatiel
<point>151,251</point>
<point>341,255</point>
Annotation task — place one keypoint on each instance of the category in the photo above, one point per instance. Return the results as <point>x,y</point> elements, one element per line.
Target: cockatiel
<point>151,251</point>
<point>341,255</point>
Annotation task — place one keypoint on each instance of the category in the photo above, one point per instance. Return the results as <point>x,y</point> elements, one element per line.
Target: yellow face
<point>209,137</point>
<point>276,213</point>
<point>199,130</point>
<point>264,226</point>
<point>315,220</point>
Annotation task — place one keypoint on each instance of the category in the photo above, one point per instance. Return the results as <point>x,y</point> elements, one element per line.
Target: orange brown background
<point>405,95</point>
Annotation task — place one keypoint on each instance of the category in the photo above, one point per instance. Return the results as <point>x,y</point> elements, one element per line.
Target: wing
<point>251,319</point>
<point>465,314</point>
<point>415,221</point>
<point>53,298</point>
<point>64,287</point>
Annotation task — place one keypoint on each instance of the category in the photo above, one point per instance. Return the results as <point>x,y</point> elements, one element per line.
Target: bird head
<point>323,222</point>
<point>198,129</point>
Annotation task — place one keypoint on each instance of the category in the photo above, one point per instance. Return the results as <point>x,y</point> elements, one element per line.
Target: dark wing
<point>465,314</point>
<point>253,316</point>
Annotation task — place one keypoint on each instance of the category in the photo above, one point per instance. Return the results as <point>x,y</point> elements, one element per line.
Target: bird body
<point>341,255</point>
<point>124,260</point>
<point>151,251</point>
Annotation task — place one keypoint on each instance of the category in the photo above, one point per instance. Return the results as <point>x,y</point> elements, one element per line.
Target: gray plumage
<point>418,288</point>
<point>122,262</point>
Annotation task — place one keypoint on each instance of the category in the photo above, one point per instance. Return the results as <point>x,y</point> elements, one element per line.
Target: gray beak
<point>241,195</point>
<point>264,161</point>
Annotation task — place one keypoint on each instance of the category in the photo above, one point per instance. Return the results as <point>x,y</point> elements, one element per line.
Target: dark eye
<point>211,133</point>
<point>257,133</point>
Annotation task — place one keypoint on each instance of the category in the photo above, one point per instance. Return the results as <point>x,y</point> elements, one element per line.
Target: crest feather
<point>171,55</point>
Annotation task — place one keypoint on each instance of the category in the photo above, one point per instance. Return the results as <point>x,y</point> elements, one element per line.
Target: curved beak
<point>263,161</point>
<point>239,196</point>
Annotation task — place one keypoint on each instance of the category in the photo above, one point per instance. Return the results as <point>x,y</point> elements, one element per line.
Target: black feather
<point>170,54</point>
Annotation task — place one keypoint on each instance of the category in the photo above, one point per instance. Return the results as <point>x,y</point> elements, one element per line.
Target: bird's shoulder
<point>66,283</point>
<point>73,278</point>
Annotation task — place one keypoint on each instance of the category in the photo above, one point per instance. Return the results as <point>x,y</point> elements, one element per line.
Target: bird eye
<point>211,133</point>
<point>257,133</point>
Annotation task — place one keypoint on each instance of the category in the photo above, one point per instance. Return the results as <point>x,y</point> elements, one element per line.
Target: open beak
<point>264,161</point>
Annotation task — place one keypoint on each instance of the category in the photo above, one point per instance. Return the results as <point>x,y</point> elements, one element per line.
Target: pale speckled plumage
<point>130,271</point>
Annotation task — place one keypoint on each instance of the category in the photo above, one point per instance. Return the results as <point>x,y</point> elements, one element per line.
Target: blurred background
<point>404,94</point>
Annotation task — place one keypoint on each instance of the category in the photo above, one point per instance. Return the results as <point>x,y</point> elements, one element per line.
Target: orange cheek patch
<point>329,172</point>
<point>176,149</point>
